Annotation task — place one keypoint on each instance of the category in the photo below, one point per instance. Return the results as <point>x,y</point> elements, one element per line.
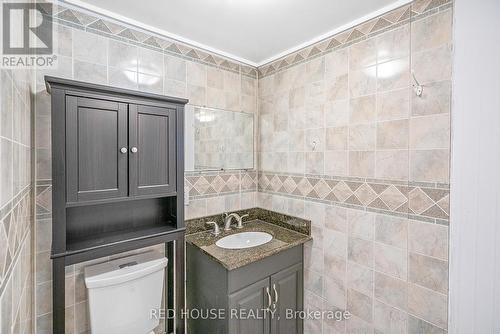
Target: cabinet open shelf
<point>91,228</point>
<point>111,238</point>
<point>115,200</point>
<point>92,246</point>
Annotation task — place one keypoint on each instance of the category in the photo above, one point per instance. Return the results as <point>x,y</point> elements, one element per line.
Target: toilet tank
<point>122,294</point>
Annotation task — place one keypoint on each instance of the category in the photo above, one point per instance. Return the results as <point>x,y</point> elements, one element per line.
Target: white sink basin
<point>244,240</point>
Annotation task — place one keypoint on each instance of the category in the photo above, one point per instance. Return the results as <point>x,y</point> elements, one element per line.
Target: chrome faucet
<point>216,230</point>
<point>228,218</point>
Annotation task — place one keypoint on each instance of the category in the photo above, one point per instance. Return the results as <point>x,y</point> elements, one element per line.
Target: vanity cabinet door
<point>152,141</point>
<point>96,149</point>
<point>287,287</point>
<point>255,299</point>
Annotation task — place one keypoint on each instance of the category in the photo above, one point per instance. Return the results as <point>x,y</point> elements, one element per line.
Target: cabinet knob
<point>123,150</point>
<point>133,149</point>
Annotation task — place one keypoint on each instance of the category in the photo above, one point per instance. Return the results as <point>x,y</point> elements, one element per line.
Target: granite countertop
<point>283,238</point>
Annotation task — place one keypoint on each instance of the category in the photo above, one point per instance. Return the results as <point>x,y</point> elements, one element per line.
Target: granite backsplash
<point>293,223</point>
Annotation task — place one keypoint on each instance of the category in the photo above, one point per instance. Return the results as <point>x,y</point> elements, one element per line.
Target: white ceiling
<point>252,31</point>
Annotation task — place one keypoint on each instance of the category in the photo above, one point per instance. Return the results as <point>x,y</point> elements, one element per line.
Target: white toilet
<point>123,293</point>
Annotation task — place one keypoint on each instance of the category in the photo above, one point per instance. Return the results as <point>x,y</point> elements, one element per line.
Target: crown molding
<point>81,5</point>
<point>121,19</point>
<point>335,31</point>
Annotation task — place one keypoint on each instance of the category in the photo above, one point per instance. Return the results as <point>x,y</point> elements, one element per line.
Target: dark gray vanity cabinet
<point>251,298</point>
<point>245,293</point>
<point>287,291</point>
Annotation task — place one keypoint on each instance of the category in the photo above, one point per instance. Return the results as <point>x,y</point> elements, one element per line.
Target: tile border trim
<point>7,207</point>
<point>122,31</point>
<point>7,271</point>
<point>388,21</point>
<point>423,201</point>
<point>14,262</point>
<point>68,15</point>
<point>219,183</point>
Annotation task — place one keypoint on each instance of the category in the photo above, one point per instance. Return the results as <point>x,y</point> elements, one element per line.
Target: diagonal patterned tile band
<point>75,17</point>
<point>196,184</point>
<point>96,23</point>
<point>209,184</point>
<point>14,228</point>
<point>427,202</point>
<point>378,25</point>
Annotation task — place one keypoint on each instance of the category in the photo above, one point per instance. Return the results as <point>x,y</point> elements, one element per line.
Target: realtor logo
<point>27,38</point>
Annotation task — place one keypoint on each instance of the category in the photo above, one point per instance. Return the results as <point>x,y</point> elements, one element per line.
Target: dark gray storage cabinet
<point>153,145</point>
<point>118,150</point>
<point>274,282</point>
<point>117,178</point>
<point>96,129</point>
<point>118,168</point>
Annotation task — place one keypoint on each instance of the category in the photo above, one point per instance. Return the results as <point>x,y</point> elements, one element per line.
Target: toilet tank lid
<point>124,269</point>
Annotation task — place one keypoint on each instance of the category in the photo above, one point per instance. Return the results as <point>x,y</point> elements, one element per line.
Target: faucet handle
<point>240,220</point>
<point>216,230</point>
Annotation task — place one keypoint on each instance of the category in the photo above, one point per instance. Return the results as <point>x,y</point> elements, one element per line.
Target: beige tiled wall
<point>353,113</point>
<point>346,118</point>
<point>390,273</point>
<point>345,142</point>
<point>90,56</point>
<point>16,216</point>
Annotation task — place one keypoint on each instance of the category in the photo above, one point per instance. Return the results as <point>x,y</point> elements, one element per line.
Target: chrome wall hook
<point>417,87</point>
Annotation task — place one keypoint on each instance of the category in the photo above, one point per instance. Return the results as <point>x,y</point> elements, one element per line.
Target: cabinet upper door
<point>96,145</point>
<point>287,291</point>
<point>252,300</point>
<point>152,142</point>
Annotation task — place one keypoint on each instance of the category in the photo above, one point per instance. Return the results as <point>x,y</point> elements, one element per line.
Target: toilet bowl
<point>124,293</point>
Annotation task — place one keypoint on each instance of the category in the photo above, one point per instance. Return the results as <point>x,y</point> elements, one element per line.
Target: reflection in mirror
<point>217,139</point>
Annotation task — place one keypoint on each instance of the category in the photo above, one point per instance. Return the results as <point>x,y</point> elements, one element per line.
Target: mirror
<point>217,139</point>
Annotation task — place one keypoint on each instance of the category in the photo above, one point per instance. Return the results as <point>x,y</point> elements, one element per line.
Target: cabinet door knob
<point>123,150</point>
<point>133,149</point>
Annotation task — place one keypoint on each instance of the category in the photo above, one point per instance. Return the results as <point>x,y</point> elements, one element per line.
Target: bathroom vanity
<point>118,180</point>
<point>251,289</point>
